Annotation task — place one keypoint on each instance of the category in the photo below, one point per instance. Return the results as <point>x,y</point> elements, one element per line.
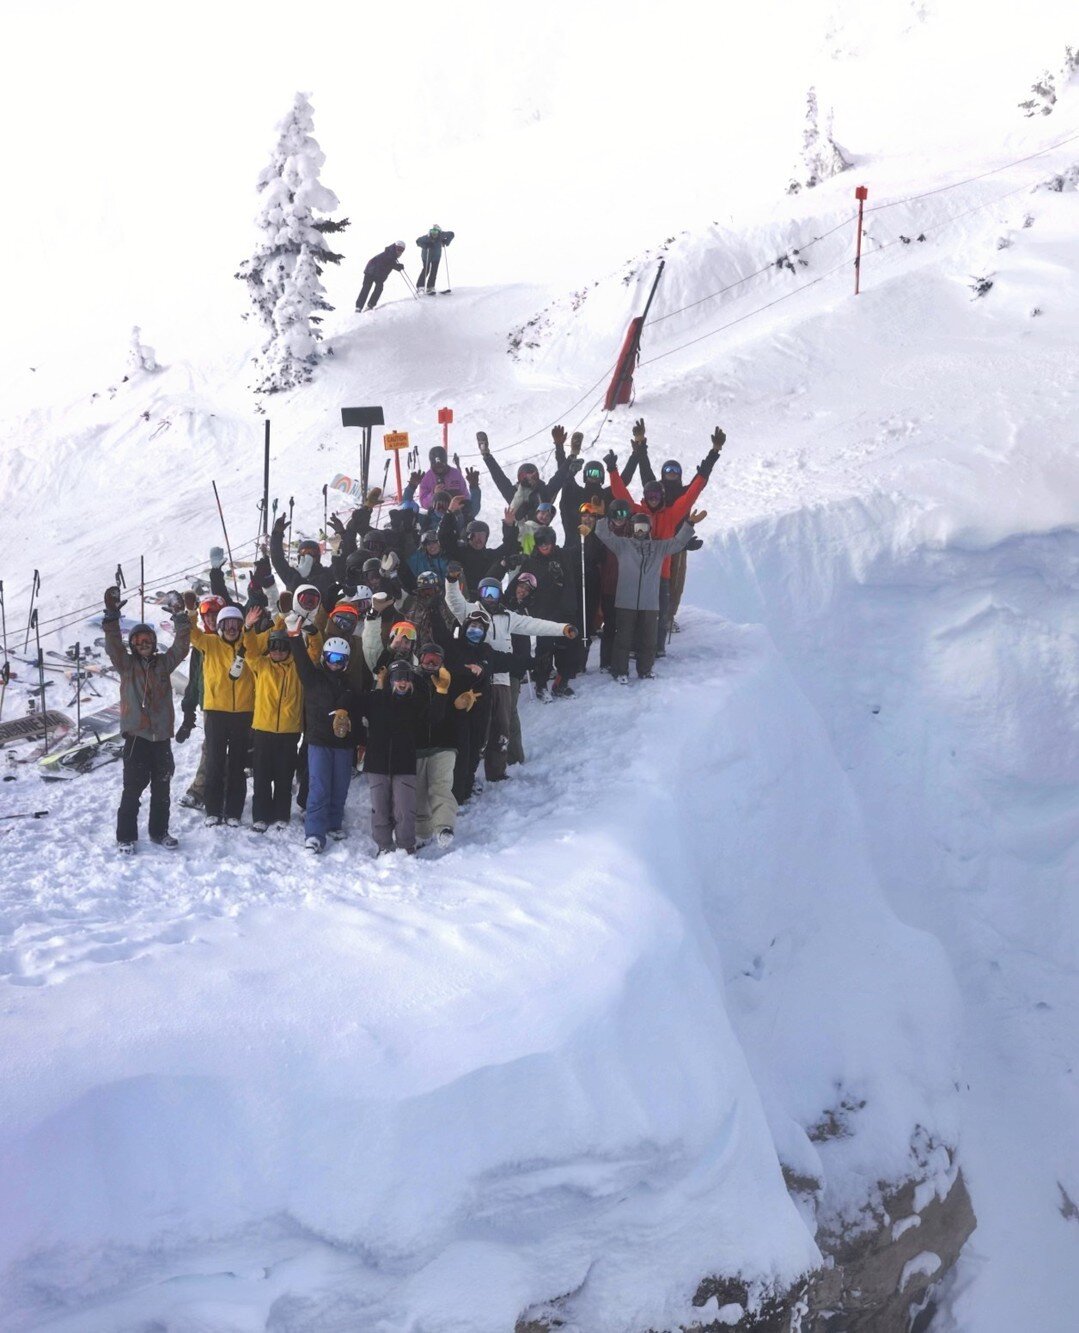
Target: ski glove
<point>173,603</point>
<point>293,621</point>
<point>466,699</point>
<point>284,601</point>
<point>570,631</point>
<point>217,557</point>
<point>575,442</point>
<point>342,723</point>
<point>472,477</point>
<point>482,441</point>
<point>381,601</point>
<point>191,601</point>
<point>442,681</point>
<point>186,727</point>
<point>719,439</point>
<point>113,602</point>
<point>454,571</point>
<point>389,562</point>
<point>559,436</point>
<point>697,516</point>
<point>611,459</point>
<point>373,496</point>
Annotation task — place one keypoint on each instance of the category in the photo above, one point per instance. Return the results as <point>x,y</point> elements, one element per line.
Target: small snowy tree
<point>1050,85</point>
<point>139,356</point>
<point>822,157</point>
<point>283,275</point>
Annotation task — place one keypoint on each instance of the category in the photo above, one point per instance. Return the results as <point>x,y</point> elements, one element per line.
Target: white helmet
<point>302,592</point>
<point>336,646</point>
<point>399,245</point>
<point>362,594</point>
<point>228,613</point>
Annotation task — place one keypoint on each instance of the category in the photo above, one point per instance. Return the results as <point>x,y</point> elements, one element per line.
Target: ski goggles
<point>491,594</point>
<point>335,659</point>
<point>308,600</point>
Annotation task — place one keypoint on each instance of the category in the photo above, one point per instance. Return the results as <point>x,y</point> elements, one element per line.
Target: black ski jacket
<point>323,693</point>
<point>380,266</point>
<point>322,576</point>
<point>394,723</point>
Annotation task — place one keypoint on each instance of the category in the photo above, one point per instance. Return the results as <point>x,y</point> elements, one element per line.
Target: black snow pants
<point>146,764</point>
<point>271,784</point>
<point>228,737</point>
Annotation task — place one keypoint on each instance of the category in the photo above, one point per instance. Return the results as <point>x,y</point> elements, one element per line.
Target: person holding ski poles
<point>146,717</point>
<point>431,246</point>
<point>377,269</point>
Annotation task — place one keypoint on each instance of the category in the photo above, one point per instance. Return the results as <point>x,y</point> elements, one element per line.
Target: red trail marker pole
<point>445,416</point>
<point>861,193</point>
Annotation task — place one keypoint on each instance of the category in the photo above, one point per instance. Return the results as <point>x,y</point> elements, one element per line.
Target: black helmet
<point>141,629</point>
<point>593,471</point>
<point>620,512</point>
<point>279,638</point>
<point>477,525</point>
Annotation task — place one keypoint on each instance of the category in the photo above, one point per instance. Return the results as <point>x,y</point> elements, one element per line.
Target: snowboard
<point>32,726</point>
<point>101,744</point>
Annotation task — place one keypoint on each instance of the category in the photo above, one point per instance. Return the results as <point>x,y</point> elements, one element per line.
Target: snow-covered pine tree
<point>822,157</point>
<point>1052,83</point>
<point>139,356</point>
<point>283,275</point>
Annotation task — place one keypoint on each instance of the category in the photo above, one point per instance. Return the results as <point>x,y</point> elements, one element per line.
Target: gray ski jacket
<point>640,565</point>
<point>145,686</point>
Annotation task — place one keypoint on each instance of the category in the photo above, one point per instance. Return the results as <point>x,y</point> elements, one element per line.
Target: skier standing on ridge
<point>377,269</point>
<point>146,717</point>
<point>431,244</point>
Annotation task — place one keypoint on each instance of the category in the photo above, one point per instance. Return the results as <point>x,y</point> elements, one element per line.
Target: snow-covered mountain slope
<point>809,915</point>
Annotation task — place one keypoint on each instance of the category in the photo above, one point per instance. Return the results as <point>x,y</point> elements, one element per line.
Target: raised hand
<point>719,439</point>
<point>482,441</point>
<point>640,439</point>
<point>575,442</point>
<point>697,516</point>
<point>611,460</point>
<point>558,434</point>
<point>472,476</point>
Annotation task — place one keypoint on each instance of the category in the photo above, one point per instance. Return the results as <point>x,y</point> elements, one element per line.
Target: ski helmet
<point>671,468</point>
<point>229,615</point>
<point>405,627</point>
<point>621,511</point>
<point>141,630</point>
<point>336,652</point>
<point>430,650</point>
<point>528,474</point>
<point>399,245</point>
<point>653,494</point>
<point>371,568</point>
<point>546,537</point>
<point>375,542</point>
<point>430,537</point>
<point>361,599</point>
<point>436,230</point>
<point>592,509</point>
<point>642,525</point>
<point>545,507</point>
<point>306,596</point>
<point>526,579</point>
<point>208,609</point>
<point>345,618</point>
<point>477,525</point>
<point>593,471</point>
<point>400,672</point>
<point>428,581</point>
<point>490,590</point>
<point>278,641</point>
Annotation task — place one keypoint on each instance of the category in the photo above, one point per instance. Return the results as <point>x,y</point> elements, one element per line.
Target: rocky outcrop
<point>879,1273</point>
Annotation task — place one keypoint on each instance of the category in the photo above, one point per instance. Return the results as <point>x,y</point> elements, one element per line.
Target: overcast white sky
<point>555,138</point>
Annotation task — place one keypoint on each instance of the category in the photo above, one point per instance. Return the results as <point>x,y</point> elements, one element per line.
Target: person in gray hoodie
<point>147,717</point>
<point>636,602</point>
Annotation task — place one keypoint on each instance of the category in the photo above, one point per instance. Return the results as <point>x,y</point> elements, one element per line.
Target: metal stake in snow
<point>266,483</point>
<point>142,587</point>
<point>34,587</point>
<point>41,676</point>
<point>861,193</point>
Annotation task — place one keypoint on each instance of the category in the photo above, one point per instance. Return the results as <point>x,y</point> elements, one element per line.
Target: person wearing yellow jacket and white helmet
<point>275,730</point>
<point>227,709</point>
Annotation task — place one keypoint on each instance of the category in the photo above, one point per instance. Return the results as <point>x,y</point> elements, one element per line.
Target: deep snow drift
<point>823,881</point>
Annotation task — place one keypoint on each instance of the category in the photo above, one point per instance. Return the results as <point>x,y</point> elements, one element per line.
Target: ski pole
<point>410,284</point>
<point>325,512</point>
<point>446,256</point>
<point>142,587</point>
<point>385,478</point>
<point>221,512</point>
<point>41,677</point>
<point>34,586</point>
<point>584,612</point>
<point>78,692</point>
<point>27,814</point>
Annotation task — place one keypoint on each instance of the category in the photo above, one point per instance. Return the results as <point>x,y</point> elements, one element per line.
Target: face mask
<point>305,564</point>
<point>475,634</point>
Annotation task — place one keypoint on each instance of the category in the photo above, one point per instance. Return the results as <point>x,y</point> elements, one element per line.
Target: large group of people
<point>401,650</point>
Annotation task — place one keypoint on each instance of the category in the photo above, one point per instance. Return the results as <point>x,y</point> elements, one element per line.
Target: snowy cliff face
<point>717,1011</point>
